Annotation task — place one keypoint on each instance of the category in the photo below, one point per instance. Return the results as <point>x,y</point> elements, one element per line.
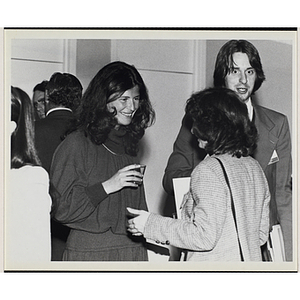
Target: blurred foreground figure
<point>28,205</point>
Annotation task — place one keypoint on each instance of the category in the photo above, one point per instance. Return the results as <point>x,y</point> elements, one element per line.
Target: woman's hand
<point>137,224</point>
<point>128,176</point>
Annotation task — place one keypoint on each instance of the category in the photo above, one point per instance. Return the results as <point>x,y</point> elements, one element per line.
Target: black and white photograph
<point>150,150</point>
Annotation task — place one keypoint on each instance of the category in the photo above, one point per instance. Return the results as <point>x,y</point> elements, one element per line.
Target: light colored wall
<point>168,69</point>
<point>92,55</point>
<point>33,61</point>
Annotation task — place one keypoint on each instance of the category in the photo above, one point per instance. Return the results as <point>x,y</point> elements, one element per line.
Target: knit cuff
<point>96,193</point>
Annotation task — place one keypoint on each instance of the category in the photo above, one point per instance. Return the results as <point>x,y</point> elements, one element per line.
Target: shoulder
<point>75,139</point>
<point>30,184</point>
<point>206,169</point>
<point>233,164</point>
<point>29,173</point>
<point>75,148</point>
<point>244,169</point>
<point>28,169</point>
<point>40,123</point>
<point>272,114</point>
<point>272,121</point>
<point>210,162</point>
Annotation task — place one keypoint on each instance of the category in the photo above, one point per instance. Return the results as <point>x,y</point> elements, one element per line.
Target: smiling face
<point>241,78</point>
<point>126,105</point>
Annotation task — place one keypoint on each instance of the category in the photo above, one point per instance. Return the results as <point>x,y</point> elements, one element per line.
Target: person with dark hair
<point>239,68</point>
<point>63,96</point>
<point>28,206</point>
<point>93,173</point>
<point>226,66</point>
<point>207,229</point>
<point>38,100</point>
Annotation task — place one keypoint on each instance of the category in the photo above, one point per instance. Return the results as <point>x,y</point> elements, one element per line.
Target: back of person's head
<point>64,89</point>
<point>23,150</point>
<point>109,84</point>
<point>221,119</point>
<point>41,86</point>
<point>224,62</point>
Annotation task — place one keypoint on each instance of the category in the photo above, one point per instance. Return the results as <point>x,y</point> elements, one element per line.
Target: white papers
<point>276,245</point>
<point>181,187</point>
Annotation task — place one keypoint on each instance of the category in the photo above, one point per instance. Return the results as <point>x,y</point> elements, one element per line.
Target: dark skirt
<point>107,246</point>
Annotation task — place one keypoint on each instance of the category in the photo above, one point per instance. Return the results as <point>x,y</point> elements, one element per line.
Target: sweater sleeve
<point>203,230</point>
<point>73,199</point>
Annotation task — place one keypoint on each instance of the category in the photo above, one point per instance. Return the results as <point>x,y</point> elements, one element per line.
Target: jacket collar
<point>267,141</point>
<point>58,109</point>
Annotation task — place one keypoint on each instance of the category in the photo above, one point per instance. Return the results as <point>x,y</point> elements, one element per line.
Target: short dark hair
<point>224,62</point>
<point>109,84</point>
<point>221,119</point>
<point>41,86</point>
<point>23,150</point>
<point>64,89</point>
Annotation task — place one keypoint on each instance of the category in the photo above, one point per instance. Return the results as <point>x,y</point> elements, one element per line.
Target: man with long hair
<point>238,67</point>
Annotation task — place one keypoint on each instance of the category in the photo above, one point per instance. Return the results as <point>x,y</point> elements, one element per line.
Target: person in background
<point>29,203</point>
<point>38,100</point>
<point>63,96</point>
<point>207,229</point>
<point>238,67</point>
<point>93,172</point>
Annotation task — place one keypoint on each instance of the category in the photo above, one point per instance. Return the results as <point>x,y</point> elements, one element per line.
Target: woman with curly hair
<point>93,176</point>
<point>212,228</point>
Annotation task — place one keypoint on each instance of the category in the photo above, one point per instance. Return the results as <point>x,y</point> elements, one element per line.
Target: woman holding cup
<point>93,176</point>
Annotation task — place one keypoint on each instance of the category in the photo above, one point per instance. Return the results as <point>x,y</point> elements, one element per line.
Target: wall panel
<point>26,74</point>
<point>168,93</point>
<point>160,55</point>
<point>38,49</point>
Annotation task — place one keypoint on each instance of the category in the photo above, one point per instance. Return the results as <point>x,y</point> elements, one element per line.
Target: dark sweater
<point>78,169</point>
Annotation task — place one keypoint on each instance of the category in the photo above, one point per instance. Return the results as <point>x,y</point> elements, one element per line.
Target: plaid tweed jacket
<point>207,227</point>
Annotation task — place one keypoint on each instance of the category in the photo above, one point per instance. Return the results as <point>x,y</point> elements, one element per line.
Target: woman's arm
<point>203,230</point>
<point>75,198</point>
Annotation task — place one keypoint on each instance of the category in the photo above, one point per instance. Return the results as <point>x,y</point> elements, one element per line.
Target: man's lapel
<point>266,140</point>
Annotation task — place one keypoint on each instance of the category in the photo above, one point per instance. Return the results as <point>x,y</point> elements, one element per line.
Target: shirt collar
<point>57,108</point>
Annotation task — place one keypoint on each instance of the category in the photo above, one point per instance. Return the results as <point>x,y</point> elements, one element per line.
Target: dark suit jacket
<point>48,134</point>
<point>274,135</point>
<point>274,155</point>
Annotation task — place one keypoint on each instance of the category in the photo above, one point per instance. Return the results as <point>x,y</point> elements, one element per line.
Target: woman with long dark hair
<point>213,228</point>
<point>93,173</point>
<point>28,204</point>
